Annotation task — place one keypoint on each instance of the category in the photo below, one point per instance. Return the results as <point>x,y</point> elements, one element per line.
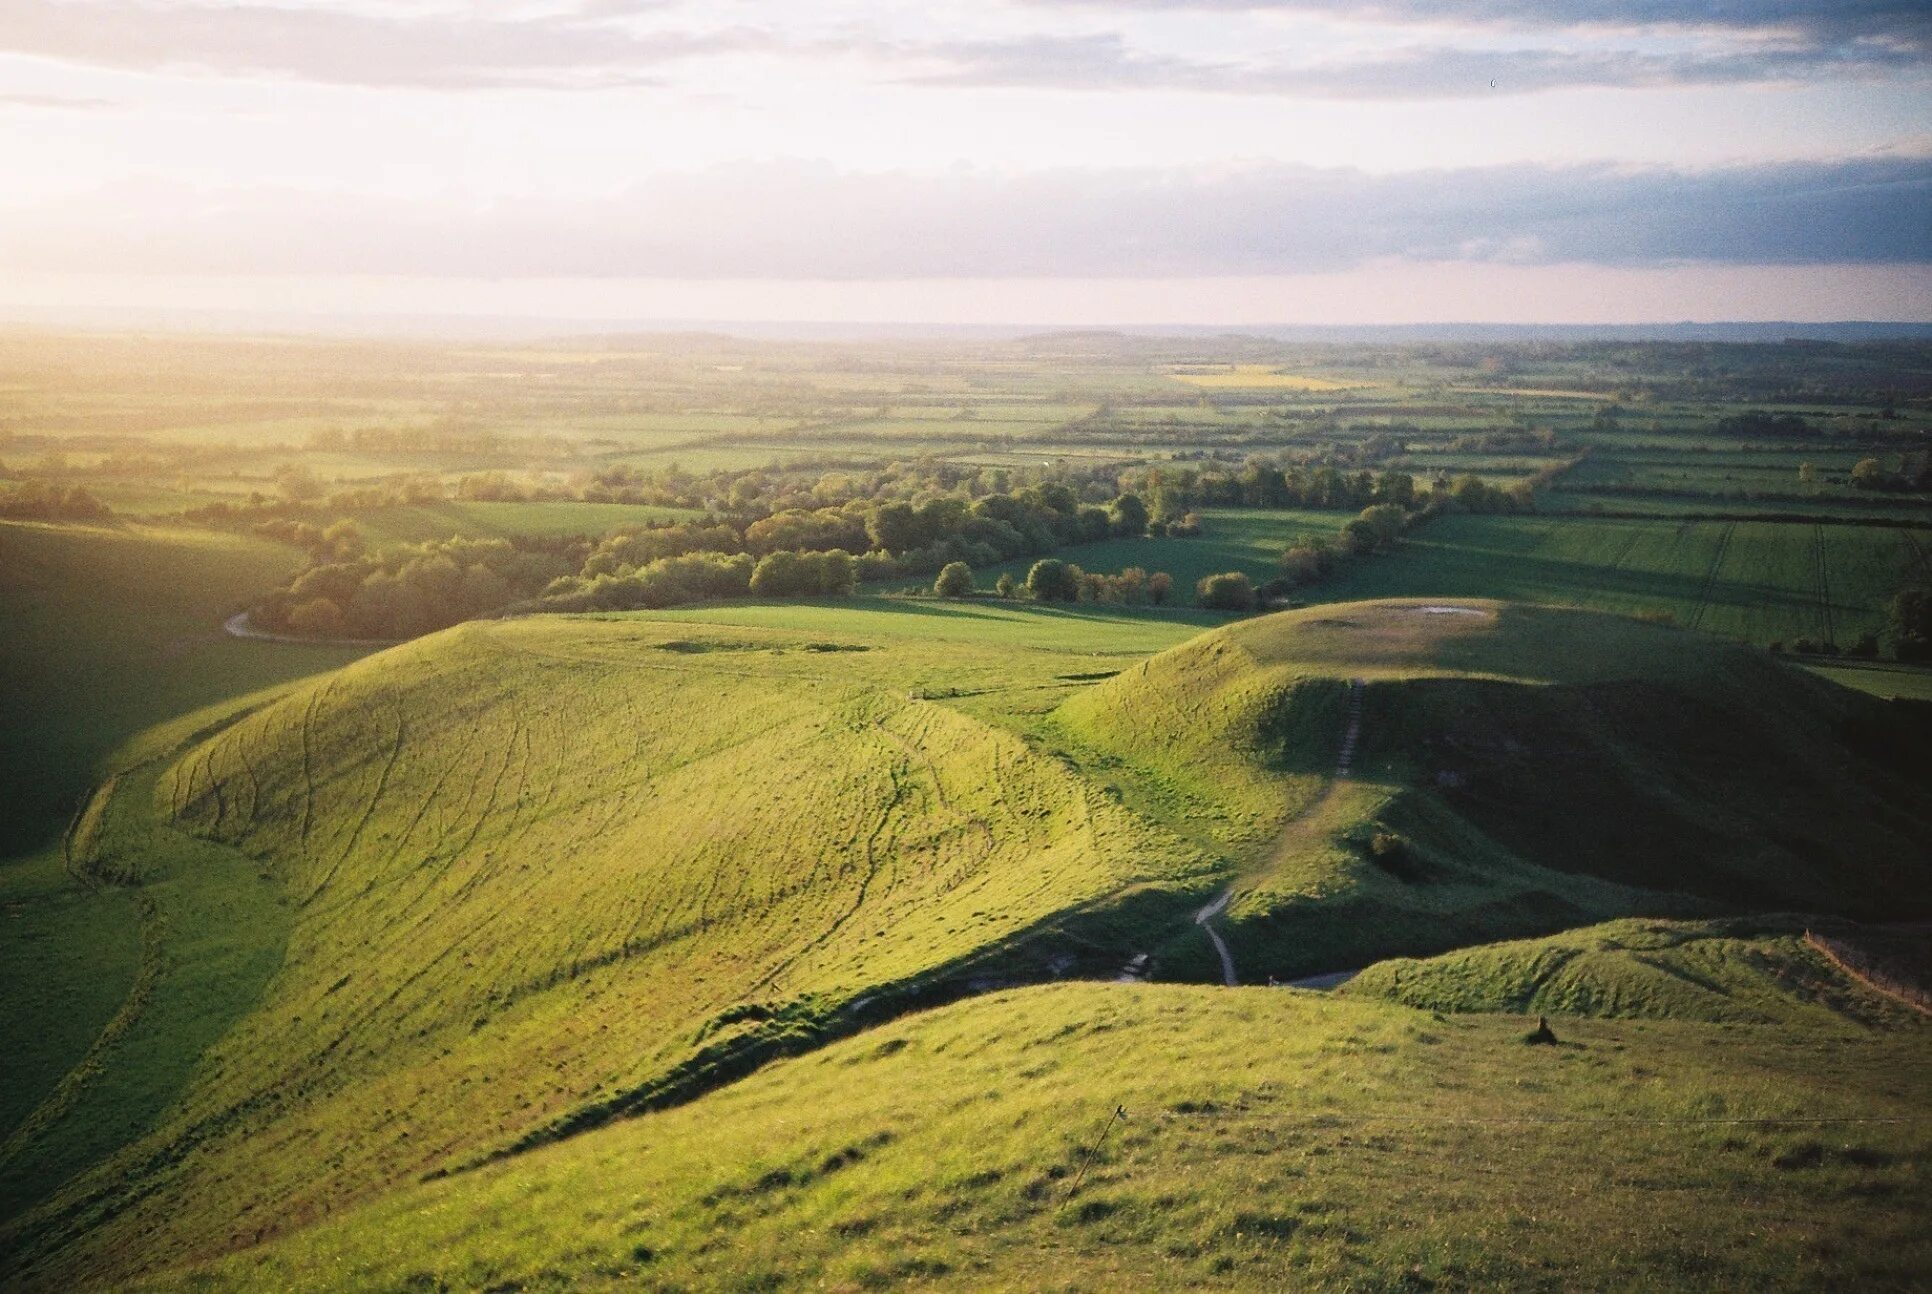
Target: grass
<point>1259,377</point>
<point>1271,1140</point>
<point>1473,724</point>
<point>1757,581</point>
<point>715,839</point>
<point>1887,679</point>
<point>109,631</point>
<point>1741,970</point>
<point>113,630</point>
<point>1232,539</point>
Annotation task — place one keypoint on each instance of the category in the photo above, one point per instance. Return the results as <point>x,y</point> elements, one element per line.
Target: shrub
<point>1052,580</point>
<point>1228,591</point>
<point>955,580</point>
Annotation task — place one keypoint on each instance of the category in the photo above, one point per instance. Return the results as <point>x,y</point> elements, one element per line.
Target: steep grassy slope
<point>110,630</point>
<point>1740,969</point>
<point>107,630</point>
<point>543,872</point>
<point>1519,770</point>
<point>1272,1140</point>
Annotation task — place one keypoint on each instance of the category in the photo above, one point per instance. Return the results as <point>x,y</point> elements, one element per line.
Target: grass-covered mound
<point>1272,1140</point>
<point>1519,770</point>
<point>538,873</point>
<point>1737,969</point>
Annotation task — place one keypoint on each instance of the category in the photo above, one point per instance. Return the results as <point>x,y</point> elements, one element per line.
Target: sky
<point>1076,162</point>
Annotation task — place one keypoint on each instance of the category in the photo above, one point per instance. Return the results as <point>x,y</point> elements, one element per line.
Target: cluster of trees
<point>1914,473</point>
<point>341,541</point>
<point>1171,492</point>
<point>667,581</point>
<point>37,500</point>
<point>1516,440</point>
<point>1052,580</point>
<point>414,588</point>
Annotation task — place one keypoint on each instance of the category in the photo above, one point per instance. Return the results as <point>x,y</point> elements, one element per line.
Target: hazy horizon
<point>1046,162</point>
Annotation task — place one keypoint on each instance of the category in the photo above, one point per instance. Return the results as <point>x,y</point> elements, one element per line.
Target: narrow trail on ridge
<point>1137,969</point>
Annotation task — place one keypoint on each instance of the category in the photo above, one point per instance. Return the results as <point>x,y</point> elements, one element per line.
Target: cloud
<point>1106,62</point>
<point>793,221</point>
<point>1895,22</point>
<point>345,47</point>
<point>54,102</point>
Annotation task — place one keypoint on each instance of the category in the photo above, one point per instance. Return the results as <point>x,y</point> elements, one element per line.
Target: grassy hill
<point>1742,969</point>
<point>1520,770</point>
<point>108,630</point>
<point>516,880</point>
<point>1271,1140</point>
<point>538,873</point>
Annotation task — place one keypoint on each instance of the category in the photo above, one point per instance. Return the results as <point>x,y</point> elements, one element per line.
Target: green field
<point>814,942</point>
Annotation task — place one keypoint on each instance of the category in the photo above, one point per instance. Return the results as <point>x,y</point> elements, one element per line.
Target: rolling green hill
<point>539,873</point>
<point>1742,969</point>
<point>1272,1140</point>
<point>511,882</point>
<point>1519,770</point>
<point>107,630</point>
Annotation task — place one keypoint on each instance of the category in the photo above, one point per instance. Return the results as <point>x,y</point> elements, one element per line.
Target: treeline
<point>1053,580</point>
<point>1261,483</point>
<point>823,552</point>
<point>415,589</point>
<point>829,550</point>
<point>36,500</point>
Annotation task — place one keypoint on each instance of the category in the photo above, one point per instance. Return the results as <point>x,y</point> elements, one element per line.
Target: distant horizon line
<point>371,325</point>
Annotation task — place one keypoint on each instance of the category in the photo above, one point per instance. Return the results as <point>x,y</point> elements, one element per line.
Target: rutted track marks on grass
<point>541,836</point>
<point>1709,584</point>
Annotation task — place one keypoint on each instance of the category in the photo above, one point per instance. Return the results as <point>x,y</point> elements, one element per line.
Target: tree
<point>1870,474</point>
<point>955,580</point>
<point>1807,474</point>
<point>1359,537</point>
<point>1228,591</point>
<point>778,575</point>
<point>1007,586</point>
<point>838,573</point>
<point>1127,516</point>
<point>316,618</point>
<point>893,527</point>
<point>1388,521</point>
<point>1052,580</point>
<point>1159,586</point>
<point>1911,624</point>
<point>297,483</point>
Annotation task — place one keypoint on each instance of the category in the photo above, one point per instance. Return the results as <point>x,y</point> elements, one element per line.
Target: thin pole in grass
<point>1120,1112</point>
